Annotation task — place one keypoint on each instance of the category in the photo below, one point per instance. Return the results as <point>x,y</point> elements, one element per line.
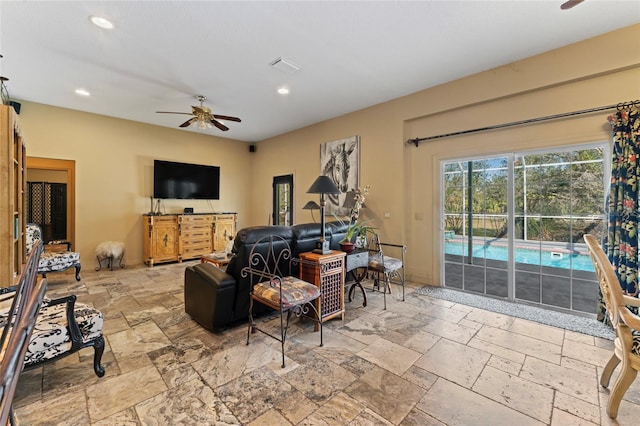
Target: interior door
<point>283,200</point>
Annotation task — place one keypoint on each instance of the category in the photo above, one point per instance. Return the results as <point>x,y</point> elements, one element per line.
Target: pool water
<point>575,261</point>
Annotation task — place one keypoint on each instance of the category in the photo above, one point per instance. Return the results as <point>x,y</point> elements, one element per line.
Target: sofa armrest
<point>209,295</point>
<point>216,276</point>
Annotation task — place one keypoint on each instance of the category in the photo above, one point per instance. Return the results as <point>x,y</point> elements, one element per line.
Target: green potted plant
<point>354,229</point>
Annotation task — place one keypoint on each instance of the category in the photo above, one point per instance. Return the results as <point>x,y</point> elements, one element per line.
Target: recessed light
<point>283,91</point>
<point>82,92</point>
<point>101,22</point>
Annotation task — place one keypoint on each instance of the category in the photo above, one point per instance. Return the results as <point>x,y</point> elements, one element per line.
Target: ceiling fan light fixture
<point>203,118</point>
<point>283,90</point>
<point>101,22</point>
<point>203,125</point>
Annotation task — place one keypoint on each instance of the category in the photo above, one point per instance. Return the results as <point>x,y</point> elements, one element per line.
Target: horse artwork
<point>340,161</point>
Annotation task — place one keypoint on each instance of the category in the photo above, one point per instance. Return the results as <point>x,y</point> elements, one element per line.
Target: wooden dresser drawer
<point>204,240</point>
<point>189,233</point>
<point>196,219</point>
<point>162,220</point>
<point>195,251</point>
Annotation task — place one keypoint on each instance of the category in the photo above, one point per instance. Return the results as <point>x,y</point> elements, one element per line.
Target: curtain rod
<point>620,107</point>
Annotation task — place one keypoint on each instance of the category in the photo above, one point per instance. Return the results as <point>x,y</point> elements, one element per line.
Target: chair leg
<point>624,380</point>
<point>283,334</point>
<point>320,319</point>
<point>77,272</point>
<point>98,348</point>
<point>283,331</point>
<point>251,326</point>
<point>384,290</point>
<point>608,370</point>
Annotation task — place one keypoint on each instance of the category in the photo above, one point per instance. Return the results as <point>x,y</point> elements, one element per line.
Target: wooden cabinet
<point>327,272</point>
<point>160,239</point>
<point>13,159</point>
<point>224,229</point>
<point>178,237</point>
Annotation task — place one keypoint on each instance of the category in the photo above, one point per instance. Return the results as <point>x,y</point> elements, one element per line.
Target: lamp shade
<point>311,205</point>
<point>323,185</point>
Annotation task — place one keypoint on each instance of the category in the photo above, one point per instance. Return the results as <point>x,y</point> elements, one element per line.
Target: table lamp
<point>323,185</point>
<point>311,205</point>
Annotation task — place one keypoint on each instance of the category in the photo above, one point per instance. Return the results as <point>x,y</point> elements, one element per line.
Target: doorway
<point>47,207</point>
<point>62,172</point>
<point>283,200</point>
<point>513,226</point>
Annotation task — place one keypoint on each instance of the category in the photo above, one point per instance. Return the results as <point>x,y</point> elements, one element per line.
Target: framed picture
<point>340,160</point>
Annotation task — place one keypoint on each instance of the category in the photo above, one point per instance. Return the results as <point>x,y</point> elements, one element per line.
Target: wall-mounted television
<point>185,181</point>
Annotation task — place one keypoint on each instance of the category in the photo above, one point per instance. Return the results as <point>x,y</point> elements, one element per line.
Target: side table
<point>326,271</point>
<point>218,261</point>
<point>357,263</point>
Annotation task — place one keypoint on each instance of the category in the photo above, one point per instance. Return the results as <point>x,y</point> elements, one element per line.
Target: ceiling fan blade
<point>569,4</point>
<point>219,125</point>
<point>188,122</point>
<point>171,112</point>
<point>226,117</point>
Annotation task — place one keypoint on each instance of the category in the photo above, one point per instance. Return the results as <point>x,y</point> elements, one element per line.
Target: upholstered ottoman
<point>110,251</point>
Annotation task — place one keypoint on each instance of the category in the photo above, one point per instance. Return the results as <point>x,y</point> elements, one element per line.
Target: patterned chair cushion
<point>294,292</point>
<point>51,335</point>
<point>390,263</point>
<point>33,233</point>
<point>635,347</point>
<point>58,261</point>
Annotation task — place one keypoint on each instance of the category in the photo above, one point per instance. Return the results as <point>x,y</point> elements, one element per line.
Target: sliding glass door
<point>476,223</point>
<point>513,226</point>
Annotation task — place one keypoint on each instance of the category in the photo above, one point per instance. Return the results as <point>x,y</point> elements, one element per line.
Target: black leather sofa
<point>216,299</point>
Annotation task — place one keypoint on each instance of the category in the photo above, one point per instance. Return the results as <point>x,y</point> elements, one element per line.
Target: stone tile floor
<point>424,361</point>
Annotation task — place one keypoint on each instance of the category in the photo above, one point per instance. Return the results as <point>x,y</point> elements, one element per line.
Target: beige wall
<point>114,157</point>
<point>114,171</point>
<point>405,179</point>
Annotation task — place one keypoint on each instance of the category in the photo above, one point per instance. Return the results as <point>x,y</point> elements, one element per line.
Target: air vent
<point>285,66</point>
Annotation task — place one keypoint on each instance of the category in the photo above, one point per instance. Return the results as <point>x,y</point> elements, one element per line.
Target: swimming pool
<point>577,261</point>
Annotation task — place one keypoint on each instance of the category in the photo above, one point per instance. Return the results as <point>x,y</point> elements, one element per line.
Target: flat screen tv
<point>185,181</point>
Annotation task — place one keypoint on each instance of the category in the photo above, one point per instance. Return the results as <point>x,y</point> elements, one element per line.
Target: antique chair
<point>386,268</point>
<point>62,326</point>
<point>270,266</point>
<point>626,324</point>
<point>53,261</point>
<point>23,303</point>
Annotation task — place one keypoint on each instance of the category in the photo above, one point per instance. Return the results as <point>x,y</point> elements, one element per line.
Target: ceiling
<point>351,54</point>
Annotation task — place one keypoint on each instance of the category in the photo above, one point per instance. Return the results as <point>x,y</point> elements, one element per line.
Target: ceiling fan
<point>203,117</point>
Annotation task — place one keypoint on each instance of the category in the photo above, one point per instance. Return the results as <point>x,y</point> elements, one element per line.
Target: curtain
<point>624,203</point>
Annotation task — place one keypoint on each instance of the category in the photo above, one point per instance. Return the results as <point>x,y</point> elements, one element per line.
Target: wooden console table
<point>327,272</point>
